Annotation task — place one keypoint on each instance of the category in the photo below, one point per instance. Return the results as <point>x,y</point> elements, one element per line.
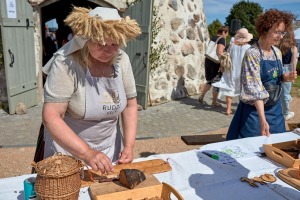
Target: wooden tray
<point>148,167</point>
<point>163,191</point>
<point>291,176</point>
<point>203,139</point>
<point>274,152</point>
<point>104,188</point>
<point>293,126</point>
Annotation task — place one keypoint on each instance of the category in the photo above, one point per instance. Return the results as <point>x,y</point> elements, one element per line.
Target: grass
<point>295,91</point>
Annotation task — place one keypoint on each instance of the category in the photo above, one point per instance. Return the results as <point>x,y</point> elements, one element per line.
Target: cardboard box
<point>275,152</point>
<point>163,191</point>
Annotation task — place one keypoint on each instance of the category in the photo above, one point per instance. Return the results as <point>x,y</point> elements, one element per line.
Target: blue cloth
<point>245,122</point>
<point>286,86</point>
<point>286,97</point>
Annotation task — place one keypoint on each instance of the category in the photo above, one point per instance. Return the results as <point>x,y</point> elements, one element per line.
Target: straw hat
<point>102,23</point>
<point>243,35</point>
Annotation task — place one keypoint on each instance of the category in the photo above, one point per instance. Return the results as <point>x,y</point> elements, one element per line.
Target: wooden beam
<point>203,139</point>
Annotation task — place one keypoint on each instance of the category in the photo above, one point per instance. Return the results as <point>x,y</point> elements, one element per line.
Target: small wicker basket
<point>58,178</point>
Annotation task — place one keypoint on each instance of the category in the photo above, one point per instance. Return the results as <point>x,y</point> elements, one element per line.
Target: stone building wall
<point>184,32</point>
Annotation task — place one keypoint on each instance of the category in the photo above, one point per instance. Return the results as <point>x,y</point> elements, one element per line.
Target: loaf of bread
<point>131,177</point>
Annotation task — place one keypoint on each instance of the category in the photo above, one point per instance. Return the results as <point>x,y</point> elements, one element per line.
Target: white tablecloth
<point>197,176</point>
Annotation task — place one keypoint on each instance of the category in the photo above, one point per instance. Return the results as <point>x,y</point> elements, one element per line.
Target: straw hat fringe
<point>94,28</point>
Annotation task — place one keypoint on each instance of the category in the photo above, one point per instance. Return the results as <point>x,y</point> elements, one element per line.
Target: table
<point>197,176</point>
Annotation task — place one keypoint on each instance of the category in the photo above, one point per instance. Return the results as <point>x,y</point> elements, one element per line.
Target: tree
<point>247,12</point>
<point>213,27</point>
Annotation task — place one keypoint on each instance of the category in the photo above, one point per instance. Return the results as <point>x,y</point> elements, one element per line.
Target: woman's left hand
<point>126,156</point>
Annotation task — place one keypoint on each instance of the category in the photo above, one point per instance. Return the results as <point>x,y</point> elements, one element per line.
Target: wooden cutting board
<point>99,189</point>
<point>290,176</point>
<point>203,139</point>
<point>148,167</point>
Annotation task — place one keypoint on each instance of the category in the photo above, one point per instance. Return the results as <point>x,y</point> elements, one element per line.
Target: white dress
<point>230,82</point>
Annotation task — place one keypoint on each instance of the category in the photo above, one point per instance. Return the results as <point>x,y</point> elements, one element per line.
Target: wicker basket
<point>58,178</point>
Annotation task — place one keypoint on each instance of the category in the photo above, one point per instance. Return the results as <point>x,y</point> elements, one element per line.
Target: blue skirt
<point>245,122</point>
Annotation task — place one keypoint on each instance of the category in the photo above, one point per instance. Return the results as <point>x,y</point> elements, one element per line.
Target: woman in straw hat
<point>230,82</point>
<point>89,84</point>
<point>259,112</point>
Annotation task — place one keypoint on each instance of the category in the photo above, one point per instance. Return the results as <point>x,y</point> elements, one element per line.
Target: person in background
<point>49,48</point>
<point>212,69</point>
<point>259,112</point>
<point>90,84</point>
<point>230,82</point>
<point>70,36</point>
<point>232,38</point>
<point>62,33</point>
<point>289,52</point>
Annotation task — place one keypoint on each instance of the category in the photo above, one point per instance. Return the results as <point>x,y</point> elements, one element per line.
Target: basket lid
<point>58,165</point>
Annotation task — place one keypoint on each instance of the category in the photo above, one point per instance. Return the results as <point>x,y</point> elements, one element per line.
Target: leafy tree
<point>246,12</point>
<point>213,27</point>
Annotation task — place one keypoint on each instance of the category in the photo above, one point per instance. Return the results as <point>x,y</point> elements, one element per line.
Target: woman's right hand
<point>264,128</point>
<point>98,161</point>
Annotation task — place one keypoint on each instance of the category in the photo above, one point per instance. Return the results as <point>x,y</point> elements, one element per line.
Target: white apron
<point>105,100</point>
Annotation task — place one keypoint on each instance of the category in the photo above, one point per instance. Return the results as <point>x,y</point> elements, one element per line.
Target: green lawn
<point>295,91</point>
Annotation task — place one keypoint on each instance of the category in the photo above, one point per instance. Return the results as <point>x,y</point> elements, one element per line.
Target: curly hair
<point>265,21</point>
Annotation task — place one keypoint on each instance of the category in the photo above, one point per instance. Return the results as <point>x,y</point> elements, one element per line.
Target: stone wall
<point>184,32</point>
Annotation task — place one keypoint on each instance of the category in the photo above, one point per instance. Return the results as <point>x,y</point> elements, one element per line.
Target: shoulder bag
<point>211,51</point>
<point>225,60</point>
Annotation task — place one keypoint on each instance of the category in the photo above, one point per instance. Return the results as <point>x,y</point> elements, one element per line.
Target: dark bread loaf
<point>131,177</point>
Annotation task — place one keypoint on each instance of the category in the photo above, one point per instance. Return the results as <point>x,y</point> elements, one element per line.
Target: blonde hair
<point>97,30</point>
<point>83,56</point>
<point>287,42</point>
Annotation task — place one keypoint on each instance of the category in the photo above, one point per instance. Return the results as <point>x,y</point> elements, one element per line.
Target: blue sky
<point>220,9</point>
